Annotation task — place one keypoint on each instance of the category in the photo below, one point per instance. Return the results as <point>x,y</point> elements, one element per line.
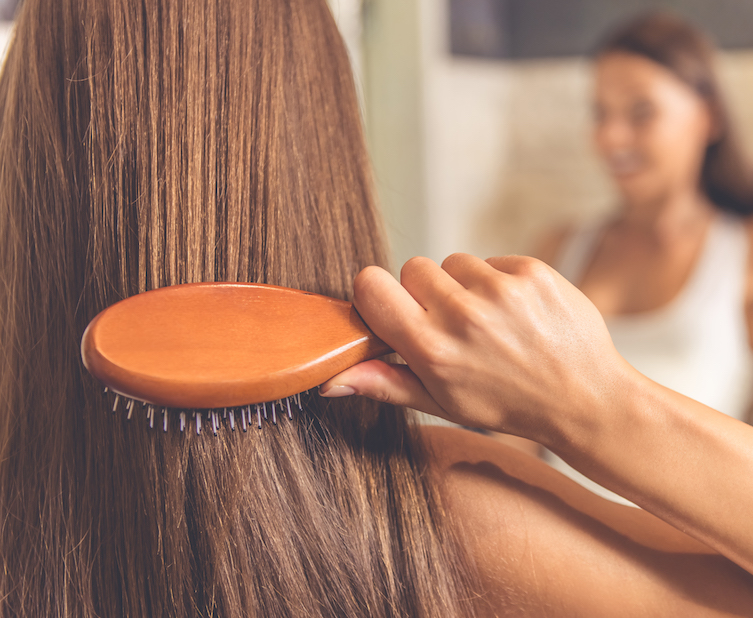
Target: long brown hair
<point>145,143</point>
<point>683,49</point>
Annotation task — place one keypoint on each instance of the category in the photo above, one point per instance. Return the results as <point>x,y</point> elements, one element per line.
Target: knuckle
<point>462,312</point>
<point>495,289</point>
<point>531,268</point>
<point>382,393</point>
<point>366,280</point>
<point>416,262</point>
<point>413,267</point>
<point>383,387</point>
<point>455,300</point>
<point>515,295</point>
<point>474,319</point>
<point>454,259</point>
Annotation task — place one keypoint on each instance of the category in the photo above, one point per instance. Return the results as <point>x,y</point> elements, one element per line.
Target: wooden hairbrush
<point>219,347</point>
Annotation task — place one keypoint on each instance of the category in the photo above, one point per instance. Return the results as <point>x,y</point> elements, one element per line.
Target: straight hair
<point>146,143</point>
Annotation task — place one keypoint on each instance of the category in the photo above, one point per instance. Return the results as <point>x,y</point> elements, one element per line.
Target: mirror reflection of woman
<point>671,271</point>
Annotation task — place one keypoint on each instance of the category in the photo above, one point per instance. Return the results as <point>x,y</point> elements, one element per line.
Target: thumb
<point>386,382</point>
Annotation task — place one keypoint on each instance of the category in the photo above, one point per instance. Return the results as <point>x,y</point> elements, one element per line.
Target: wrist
<point>591,417</point>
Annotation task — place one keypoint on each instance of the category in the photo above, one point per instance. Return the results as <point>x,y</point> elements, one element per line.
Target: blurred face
<point>651,129</point>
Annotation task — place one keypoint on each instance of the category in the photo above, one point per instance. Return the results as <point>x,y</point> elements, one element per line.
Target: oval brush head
<point>224,345</point>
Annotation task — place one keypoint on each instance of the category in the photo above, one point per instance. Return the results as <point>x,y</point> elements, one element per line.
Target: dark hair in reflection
<point>683,49</point>
<point>146,143</point>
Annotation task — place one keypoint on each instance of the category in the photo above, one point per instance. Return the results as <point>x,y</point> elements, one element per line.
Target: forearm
<point>510,346</point>
<point>678,459</point>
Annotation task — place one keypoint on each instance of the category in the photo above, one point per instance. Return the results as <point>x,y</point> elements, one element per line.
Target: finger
<point>375,379</point>
<point>471,272</point>
<point>515,264</point>
<point>427,282</point>
<point>387,307</point>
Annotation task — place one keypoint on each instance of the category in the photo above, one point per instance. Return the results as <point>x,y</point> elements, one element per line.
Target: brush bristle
<point>202,420</point>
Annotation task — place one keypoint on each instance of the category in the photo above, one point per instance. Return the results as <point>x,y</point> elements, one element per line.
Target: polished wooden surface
<point>215,345</point>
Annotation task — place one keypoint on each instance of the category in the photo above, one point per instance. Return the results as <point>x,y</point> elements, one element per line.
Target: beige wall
<point>349,17</point>
<point>501,151</point>
<point>468,139</point>
<point>394,89</point>
<point>6,28</point>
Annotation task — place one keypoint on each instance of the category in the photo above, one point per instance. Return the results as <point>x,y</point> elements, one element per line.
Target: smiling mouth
<point>625,163</point>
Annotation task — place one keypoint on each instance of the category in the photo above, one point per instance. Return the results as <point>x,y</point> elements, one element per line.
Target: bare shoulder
<point>457,452</point>
<point>549,245</point>
<point>546,546</point>
<point>484,478</point>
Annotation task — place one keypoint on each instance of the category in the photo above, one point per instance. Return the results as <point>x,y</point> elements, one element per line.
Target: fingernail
<point>337,390</point>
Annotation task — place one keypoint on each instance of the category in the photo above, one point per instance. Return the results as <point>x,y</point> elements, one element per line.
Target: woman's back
<point>545,546</point>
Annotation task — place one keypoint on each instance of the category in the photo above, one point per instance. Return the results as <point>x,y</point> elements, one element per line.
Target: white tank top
<point>697,344</point>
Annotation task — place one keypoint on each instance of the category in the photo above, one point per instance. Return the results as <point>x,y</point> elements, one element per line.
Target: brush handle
<point>217,345</point>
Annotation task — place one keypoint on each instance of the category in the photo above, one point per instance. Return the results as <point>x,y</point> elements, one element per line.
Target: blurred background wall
<point>480,150</point>
<point>481,154</point>
<point>7,11</point>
